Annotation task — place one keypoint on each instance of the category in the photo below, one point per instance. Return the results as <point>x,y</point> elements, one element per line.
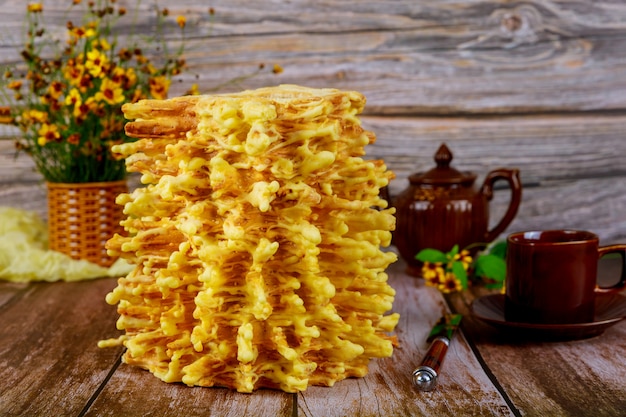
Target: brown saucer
<point>610,309</point>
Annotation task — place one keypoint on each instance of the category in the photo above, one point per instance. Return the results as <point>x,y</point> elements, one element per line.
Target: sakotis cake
<point>257,241</point>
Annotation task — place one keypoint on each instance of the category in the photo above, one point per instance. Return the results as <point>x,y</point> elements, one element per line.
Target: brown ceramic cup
<point>552,276</point>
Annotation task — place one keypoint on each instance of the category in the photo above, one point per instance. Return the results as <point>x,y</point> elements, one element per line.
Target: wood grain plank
<point>50,363</point>
<point>26,196</point>
<point>21,186</point>
<point>240,17</point>
<point>554,378</point>
<point>132,392</point>
<point>598,205</point>
<point>463,387</point>
<point>544,147</point>
<point>413,57</point>
<point>11,292</point>
<point>407,81</point>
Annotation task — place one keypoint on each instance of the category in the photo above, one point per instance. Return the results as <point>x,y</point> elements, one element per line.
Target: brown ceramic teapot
<point>442,208</point>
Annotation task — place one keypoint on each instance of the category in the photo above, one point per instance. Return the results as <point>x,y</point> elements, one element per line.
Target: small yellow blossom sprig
<point>67,103</point>
<point>452,271</point>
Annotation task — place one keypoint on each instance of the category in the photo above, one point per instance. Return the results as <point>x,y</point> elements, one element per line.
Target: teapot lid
<point>443,173</point>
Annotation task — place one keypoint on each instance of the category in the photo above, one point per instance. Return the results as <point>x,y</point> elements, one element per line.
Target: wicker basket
<point>82,217</point>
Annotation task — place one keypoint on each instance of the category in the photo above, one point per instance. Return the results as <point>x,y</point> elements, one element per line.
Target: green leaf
<point>437,329</point>
<point>494,285</point>
<point>490,266</point>
<point>498,249</point>
<point>460,273</point>
<point>431,255</point>
<point>453,252</point>
<point>445,326</point>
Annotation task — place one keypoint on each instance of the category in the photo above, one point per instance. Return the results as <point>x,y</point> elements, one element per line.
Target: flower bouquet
<point>67,103</point>
<point>453,271</point>
<point>66,99</point>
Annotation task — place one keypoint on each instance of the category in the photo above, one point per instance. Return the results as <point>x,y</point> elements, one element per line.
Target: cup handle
<point>512,177</point>
<point>621,251</point>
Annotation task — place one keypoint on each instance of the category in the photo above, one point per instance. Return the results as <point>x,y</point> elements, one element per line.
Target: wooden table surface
<point>50,365</point>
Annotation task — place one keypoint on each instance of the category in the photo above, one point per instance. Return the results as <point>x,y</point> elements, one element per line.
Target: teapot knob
<point>443,156</point>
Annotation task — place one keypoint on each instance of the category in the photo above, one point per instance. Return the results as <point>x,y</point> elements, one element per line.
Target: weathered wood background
<point>539,85</point>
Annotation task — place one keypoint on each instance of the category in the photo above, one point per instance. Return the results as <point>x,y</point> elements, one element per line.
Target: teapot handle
<point>512,177</point>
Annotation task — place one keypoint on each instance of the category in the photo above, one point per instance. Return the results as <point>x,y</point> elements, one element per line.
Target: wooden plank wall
<point>536,84</point>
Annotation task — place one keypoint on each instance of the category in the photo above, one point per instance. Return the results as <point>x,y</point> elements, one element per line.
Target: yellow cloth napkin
<point>24,254</point>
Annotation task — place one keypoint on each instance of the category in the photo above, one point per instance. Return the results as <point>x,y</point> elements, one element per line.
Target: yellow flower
<point>137,95</point>
<point>124,77</point>
<point>125,54</point>
<point>112,127</point>
<point>194,90</point>
<point>85,83</point>
<point>15,85</point>
<point>465,258</point>
<point>35,8</point>
<point>433,273</point>
<point>434,281</point>
<point>80,32</point>
<point>73,139</point>
<point>55,89</point>
<point>36,116</point>
<point>450,284</point>
<point>102,44</point>
<point>182,21</point>
<point>118,75</point>
<point>48,133</point>
<point>110,92</point>
<point>87,106</point>
<point>159,87</point>
<point>74,98</point>
<point>95,63</point>
<point>141,59</point>
<point>131,78</point>
<point>73,72</point>
<point>151,69</point>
